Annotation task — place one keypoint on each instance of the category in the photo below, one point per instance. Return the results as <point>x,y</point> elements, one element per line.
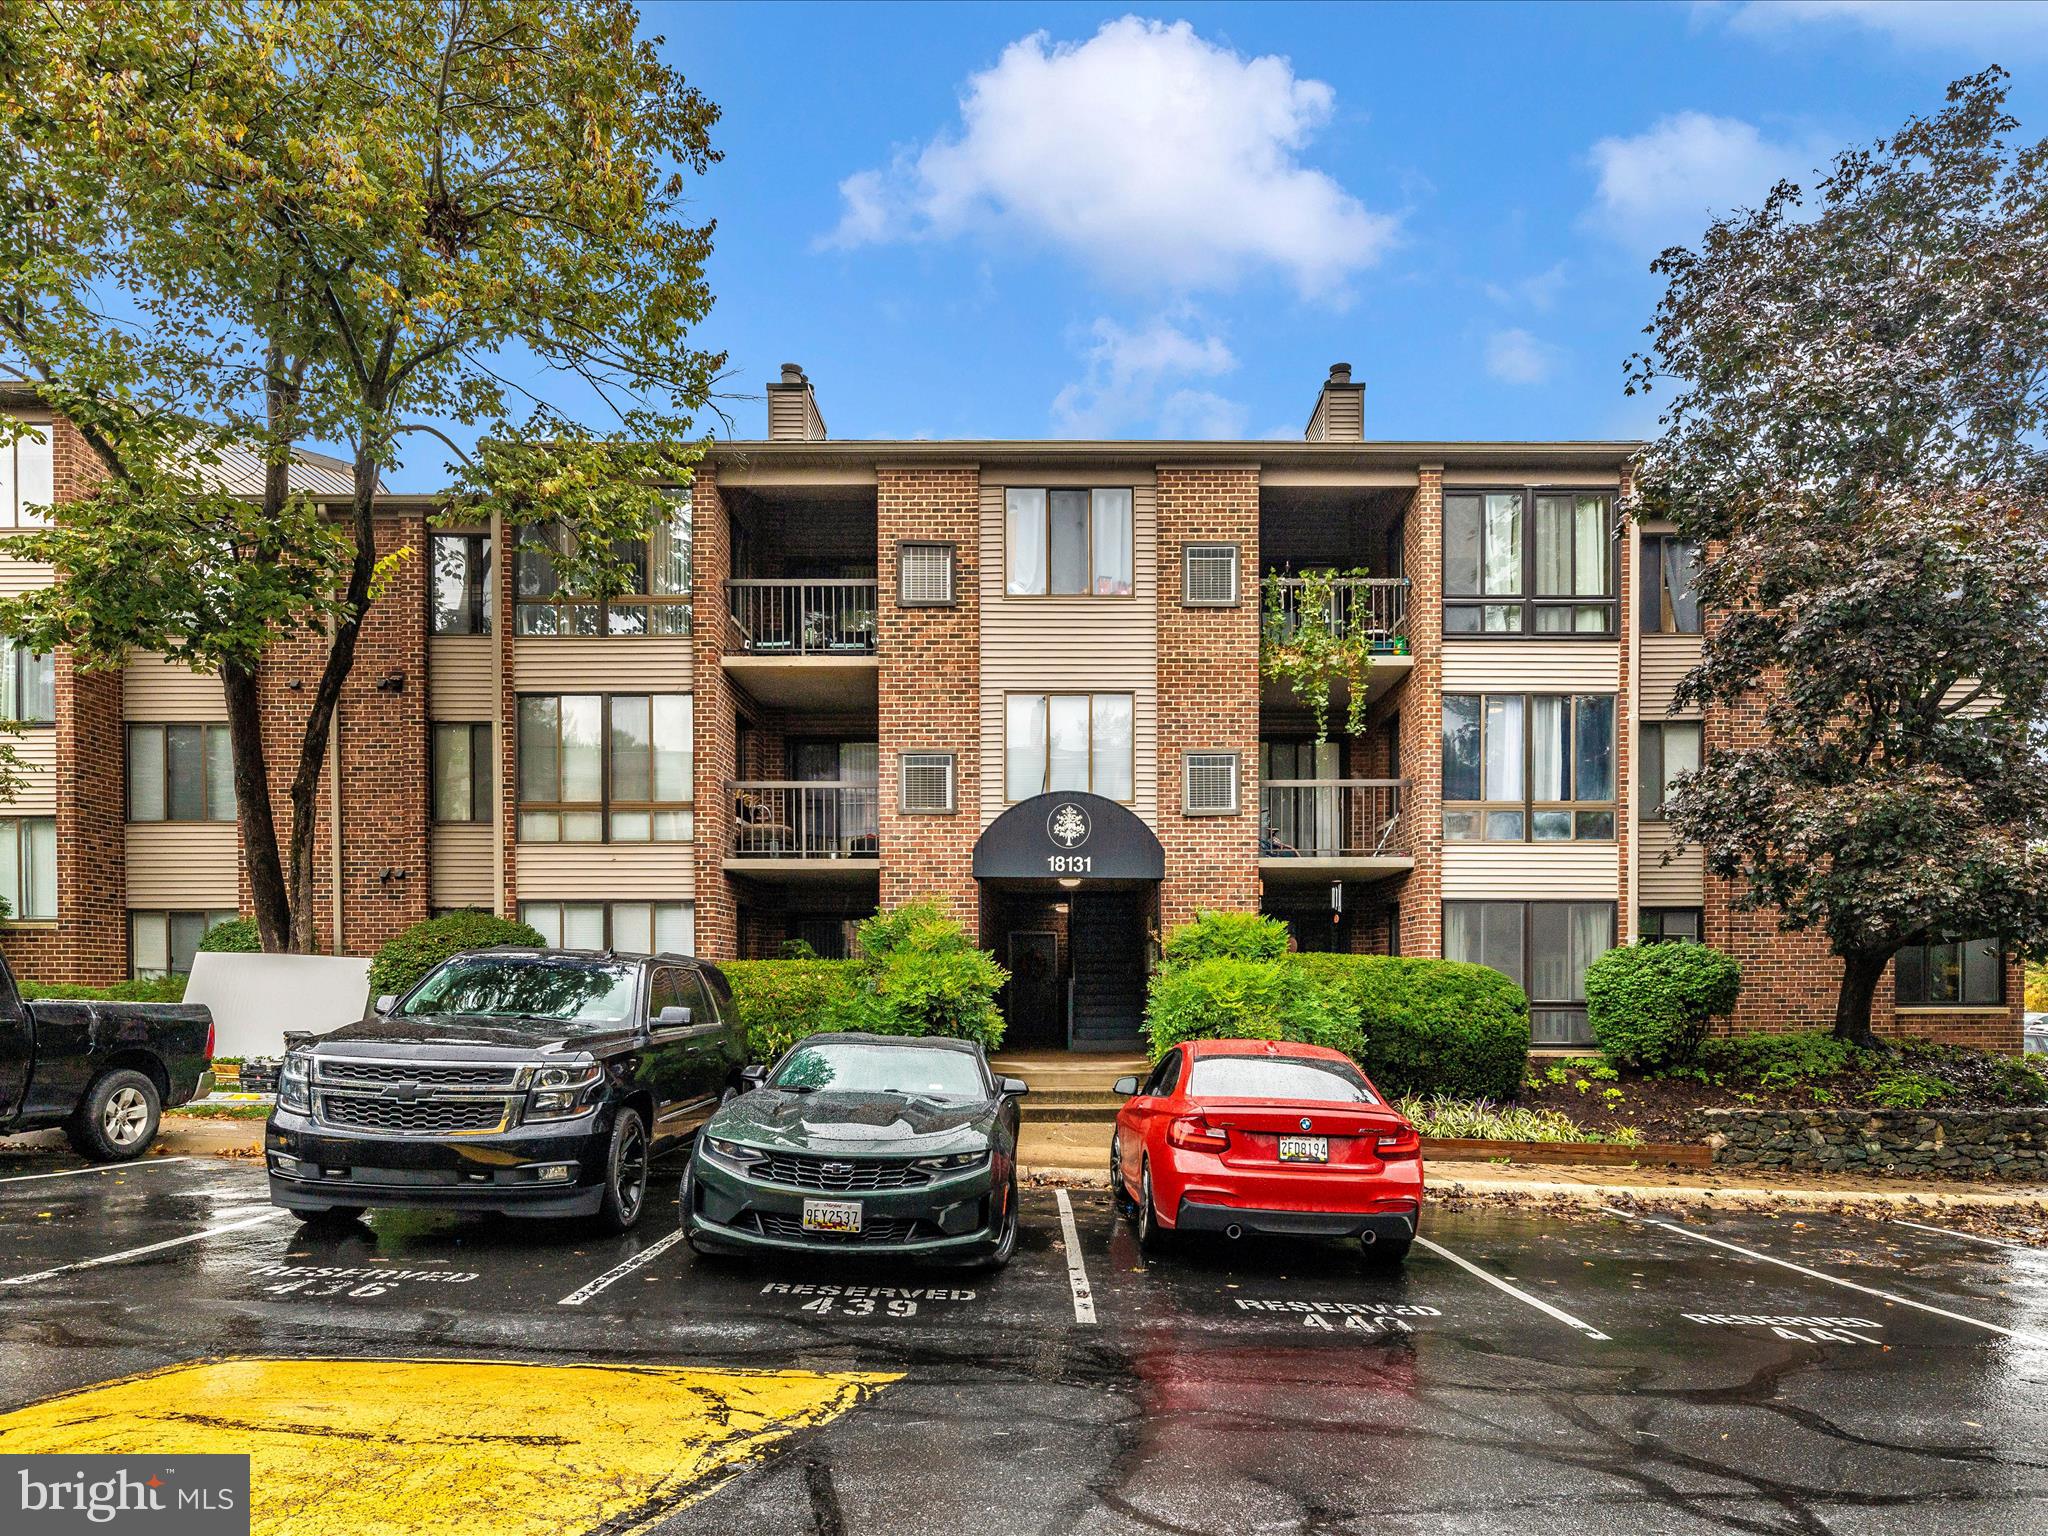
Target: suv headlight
<point>954,1163</point>
<point>560,1092</point>
<point>294,1080</point>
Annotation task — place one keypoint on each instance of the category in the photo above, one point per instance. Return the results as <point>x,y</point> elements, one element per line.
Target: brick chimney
<point>1340,409</point>
<point>793,409</point>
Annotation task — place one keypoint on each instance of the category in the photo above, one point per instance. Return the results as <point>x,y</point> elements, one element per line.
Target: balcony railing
<point>1332,819</point>
<point>785,819</point>
<point>1381,601</point>
<point>803,618</point>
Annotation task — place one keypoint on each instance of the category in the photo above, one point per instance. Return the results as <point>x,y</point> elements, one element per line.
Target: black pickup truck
<point>533,1082</point>
<point>103,1071</point>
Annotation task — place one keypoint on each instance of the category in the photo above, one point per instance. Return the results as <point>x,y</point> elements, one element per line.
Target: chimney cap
<point>1340,373</point>
<point>792,373</point>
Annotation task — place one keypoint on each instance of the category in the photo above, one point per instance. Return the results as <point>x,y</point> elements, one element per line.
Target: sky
<point>1077,220</point>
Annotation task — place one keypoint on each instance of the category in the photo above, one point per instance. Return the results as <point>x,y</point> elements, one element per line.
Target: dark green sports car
<point>873,1143</point>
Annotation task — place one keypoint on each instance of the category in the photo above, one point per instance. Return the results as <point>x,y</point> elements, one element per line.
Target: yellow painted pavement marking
<point>449,1447</point>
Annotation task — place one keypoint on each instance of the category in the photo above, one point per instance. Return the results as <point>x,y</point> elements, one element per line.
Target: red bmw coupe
<point>1238,1136</point>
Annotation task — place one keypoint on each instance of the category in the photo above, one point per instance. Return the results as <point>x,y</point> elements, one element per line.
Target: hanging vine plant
<point>1316,635</point>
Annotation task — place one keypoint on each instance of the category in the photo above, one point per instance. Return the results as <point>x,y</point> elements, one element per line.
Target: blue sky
<point>1028,221</point>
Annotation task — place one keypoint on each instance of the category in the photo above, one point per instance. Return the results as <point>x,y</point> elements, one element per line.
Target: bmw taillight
<point>1402,1143</point>
<point>1195,1134</point>
<point>209,1037</point>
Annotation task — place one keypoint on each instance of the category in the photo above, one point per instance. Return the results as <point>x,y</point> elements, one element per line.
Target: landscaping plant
<point>1430,1026</point>
<point>1231,935</point>
<point>1225,998</point>
<point>236,936</point>
<point>1650,1005</point>
<point>1313,640</point>
<point>402,962</point>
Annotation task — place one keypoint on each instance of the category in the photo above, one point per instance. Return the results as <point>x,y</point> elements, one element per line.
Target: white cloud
<point>1130,370</point>
<point>1516,357</point>
<point>1148,153</point>
<point>1974,26</point>
<point>1538,291</point>
<point>1662,186</point>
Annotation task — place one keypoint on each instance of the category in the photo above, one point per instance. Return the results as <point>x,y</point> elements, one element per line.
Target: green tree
<point>242,227</point>
<point>1856,438</point>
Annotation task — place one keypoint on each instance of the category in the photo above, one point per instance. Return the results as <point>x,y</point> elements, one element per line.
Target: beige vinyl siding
<point>460,681</point>
<point>36,749</point>
<point>464,873</point>
<point>18,576</point>
<point>1963,690</point>
<point>1531,871</point>
<point>1070,644</point>
<point>153,688</point>
<point>1665,660</point>
<point>183,865</point>
<point>1581,480</point>
<point>1532,666</point>
<point>618,664</point>
<point>601,872</point>
<point>1677,884</point>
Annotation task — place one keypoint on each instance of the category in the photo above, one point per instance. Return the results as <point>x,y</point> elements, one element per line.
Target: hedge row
<point>155,989</point>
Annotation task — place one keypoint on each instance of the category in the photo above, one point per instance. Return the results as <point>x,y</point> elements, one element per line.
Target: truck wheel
<point>625,1176</point>
<point>117,1118</point>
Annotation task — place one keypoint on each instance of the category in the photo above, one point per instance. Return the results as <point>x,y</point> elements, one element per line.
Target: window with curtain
<point>28,867</point>
<point>1574,559</point>
<point>1519,562</point>
<point>1669,604</point>
<point>1668,748</point>
<point>463,765</point>
<point>650,752</point>
<point>1963,973</point>
<point>180,773</point>
<point>28,684</point>
<point>1068,741</point>
<point>637,927</point>
<point>163,943</point>
<point>1542,946</point>
<point>605,768</point>
<point>656,571</point>
<point>459,583</point>
<point>27,479</point>
<point>1297,819</point>
<point>1528,767</point>
<point>1068,542</point>
<point>1483,585</point>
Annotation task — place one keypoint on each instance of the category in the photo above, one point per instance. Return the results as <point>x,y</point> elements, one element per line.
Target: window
<point>1528,561</point>
<point>1068,741</point>
<point>1528,768</point>
<point>1542,946</point>
<point>925,783</point>
<point>163,943</point>
<point>637,927</point>
<point>180,773</point>
<point>463,766</point>
<point>1669,925</point>
<point>1210,784</point>
<point>1968,973</point>
<point>1208,576</point>
<point>604,768</point>
<point>27,480</point>
<point>28,685</point>
<point>460,575</point>
<point>1669,748</point>
<point>657,569</point>
<point>1670,606</point>
<point>1062,543</point>
<point>28,867</point>
<point>924,575</point>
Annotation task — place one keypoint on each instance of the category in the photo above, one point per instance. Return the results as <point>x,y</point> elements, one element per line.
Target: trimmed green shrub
<point>1433,1027</point>
<point>781,1001</point>
<point>1794,1059</point>
<point>236,936</point>
<point>1231,999</point>
<point>1651,1005</point>
<point>939,990</point>
<point>1225,935</point>
<point>150,989</point>
<point>880,936</point>
<point>401,963</point>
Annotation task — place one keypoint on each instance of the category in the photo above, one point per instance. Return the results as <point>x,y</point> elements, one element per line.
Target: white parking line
<point>1968,1237</point>
<point>1077,1272</point>
<point>137,1253</point>
<point>646,1255</point>
<point>1514,1290</point>
<point>1847,1285</point>
<point>68,1173</point>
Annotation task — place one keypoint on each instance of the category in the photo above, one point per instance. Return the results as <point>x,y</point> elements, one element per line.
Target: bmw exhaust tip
<point>1233,1232</point>
<point>1368,1237</point>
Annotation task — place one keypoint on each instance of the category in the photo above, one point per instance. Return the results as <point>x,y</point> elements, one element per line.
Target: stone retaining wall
<point>1949,1144</point>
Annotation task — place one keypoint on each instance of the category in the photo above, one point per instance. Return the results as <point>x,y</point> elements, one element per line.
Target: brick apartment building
<point>1018,676</point>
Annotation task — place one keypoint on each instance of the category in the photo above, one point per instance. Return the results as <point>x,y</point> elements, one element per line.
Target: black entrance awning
<point>1067,835</point>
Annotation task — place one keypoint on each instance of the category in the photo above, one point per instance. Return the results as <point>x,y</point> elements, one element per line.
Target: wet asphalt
<point>1611,1375</point>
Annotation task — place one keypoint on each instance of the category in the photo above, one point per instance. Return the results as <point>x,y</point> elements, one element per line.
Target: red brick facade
<point>716,763</point>
<point>1422,717</point>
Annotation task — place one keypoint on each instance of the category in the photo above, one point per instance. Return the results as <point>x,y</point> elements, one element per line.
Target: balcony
<point>815,831</point>
<point>803,644</point>
<point>1377,604</point>
<point>1316,830</point>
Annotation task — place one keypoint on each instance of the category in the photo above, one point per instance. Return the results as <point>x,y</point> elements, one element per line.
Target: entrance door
<point>1106,934</point>
<point>1034,1004</point>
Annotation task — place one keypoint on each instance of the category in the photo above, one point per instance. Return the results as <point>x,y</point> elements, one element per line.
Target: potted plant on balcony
<point>1314,639</point>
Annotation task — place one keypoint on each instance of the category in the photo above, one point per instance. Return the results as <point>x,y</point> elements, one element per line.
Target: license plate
<point>1304,1149</point>
<point>831,1215</point>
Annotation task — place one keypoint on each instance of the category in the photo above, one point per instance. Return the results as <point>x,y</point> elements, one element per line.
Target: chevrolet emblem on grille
<point>836,1170</point>
<point>404,1093</point>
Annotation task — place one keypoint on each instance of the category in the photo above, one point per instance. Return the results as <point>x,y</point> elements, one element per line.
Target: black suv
<point>529,1081</point>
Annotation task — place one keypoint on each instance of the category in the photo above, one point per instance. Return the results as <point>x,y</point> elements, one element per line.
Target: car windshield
<point>853,1066</point>
<point>1301,1079</point>
<point>595,994</point>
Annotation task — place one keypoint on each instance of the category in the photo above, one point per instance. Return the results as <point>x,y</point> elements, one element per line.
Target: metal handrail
<point>805,819</point>
<point>1332,819</point>
<point>821,617</point>
<point>1385,599</point>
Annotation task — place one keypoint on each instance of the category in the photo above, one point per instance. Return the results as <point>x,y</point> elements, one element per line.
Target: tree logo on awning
<point>1067,825</point>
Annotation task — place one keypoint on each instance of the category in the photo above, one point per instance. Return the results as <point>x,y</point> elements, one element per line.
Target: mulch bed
<point>1653,1106</point>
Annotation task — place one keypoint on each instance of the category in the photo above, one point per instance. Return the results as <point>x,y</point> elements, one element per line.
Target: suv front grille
<point>802,1172</point>
<point>907,1230</point>
<point>342,1072</point>
<point>421,1117</point>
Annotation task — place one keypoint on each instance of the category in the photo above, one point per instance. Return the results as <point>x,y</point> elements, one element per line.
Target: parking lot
<point>1689,1372</point>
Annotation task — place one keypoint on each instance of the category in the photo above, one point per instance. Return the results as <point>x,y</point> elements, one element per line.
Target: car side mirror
<point>674,1016</point>
<point>1015,1087</point>
<point>753,1076</point>
<point>1123,1087</point>
<point>387,1002</point>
